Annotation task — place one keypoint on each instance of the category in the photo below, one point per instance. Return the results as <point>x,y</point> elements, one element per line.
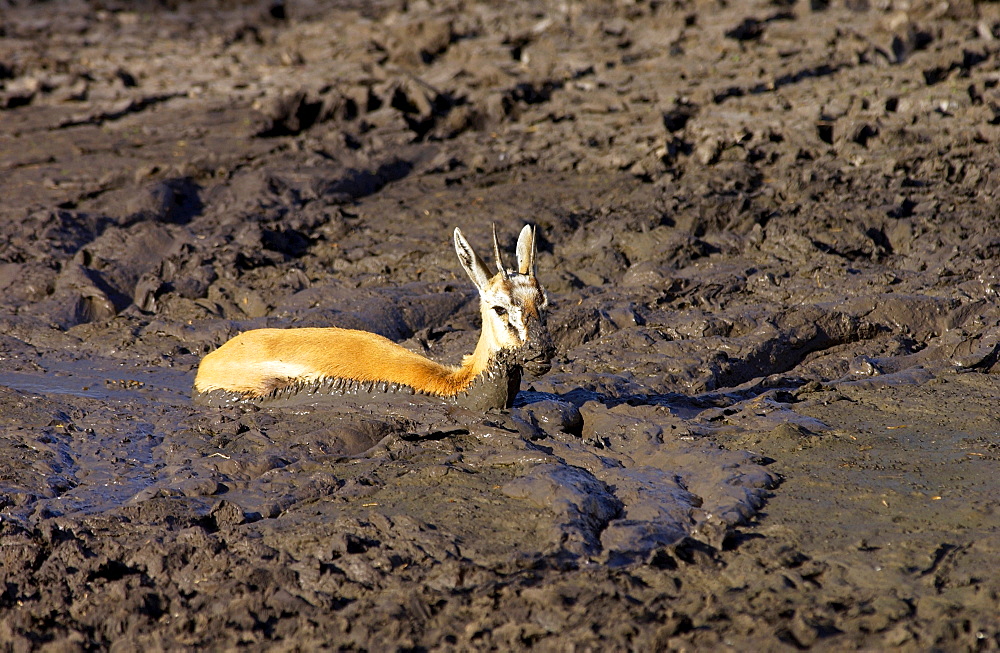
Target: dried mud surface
<point>768,230</point>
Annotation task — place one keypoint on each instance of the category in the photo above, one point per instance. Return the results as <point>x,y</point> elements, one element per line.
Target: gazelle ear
<point>526,251</point>
<point>474,267</point>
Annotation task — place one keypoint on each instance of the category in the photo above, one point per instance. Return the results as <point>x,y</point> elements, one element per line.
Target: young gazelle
<point>279,364</point>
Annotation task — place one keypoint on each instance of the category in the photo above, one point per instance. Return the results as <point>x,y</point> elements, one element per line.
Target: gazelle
<point>266,364</point>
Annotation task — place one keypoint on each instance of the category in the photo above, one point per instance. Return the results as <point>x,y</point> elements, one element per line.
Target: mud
<point>768,235</point>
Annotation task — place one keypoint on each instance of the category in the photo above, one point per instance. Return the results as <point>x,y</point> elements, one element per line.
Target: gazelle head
<point>512,302</point>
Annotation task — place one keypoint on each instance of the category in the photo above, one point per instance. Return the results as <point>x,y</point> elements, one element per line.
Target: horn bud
<point>496,254</point>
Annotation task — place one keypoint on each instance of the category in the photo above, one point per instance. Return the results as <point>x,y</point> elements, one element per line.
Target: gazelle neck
<point>486,350</point>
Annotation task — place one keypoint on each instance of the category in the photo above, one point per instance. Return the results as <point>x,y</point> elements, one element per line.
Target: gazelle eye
<point>500,310</point>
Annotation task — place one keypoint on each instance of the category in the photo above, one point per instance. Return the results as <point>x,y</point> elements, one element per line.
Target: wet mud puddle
<point>79,430</point>
<point>110,380</point>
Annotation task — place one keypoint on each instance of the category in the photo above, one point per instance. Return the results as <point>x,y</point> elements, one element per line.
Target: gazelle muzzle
<point>538,349</point>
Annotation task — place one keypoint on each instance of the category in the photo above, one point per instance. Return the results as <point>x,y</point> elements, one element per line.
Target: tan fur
<point>257,362</point>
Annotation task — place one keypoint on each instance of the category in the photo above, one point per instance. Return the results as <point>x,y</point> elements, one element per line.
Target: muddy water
<point>768,238</point>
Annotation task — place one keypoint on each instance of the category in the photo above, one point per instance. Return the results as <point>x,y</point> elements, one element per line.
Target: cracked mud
<point>768,234</point>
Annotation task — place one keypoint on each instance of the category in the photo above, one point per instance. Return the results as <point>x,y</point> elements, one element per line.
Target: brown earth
<point>768,232</point>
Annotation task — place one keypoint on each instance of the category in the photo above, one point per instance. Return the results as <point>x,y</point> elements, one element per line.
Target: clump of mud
<point>767,232</point>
